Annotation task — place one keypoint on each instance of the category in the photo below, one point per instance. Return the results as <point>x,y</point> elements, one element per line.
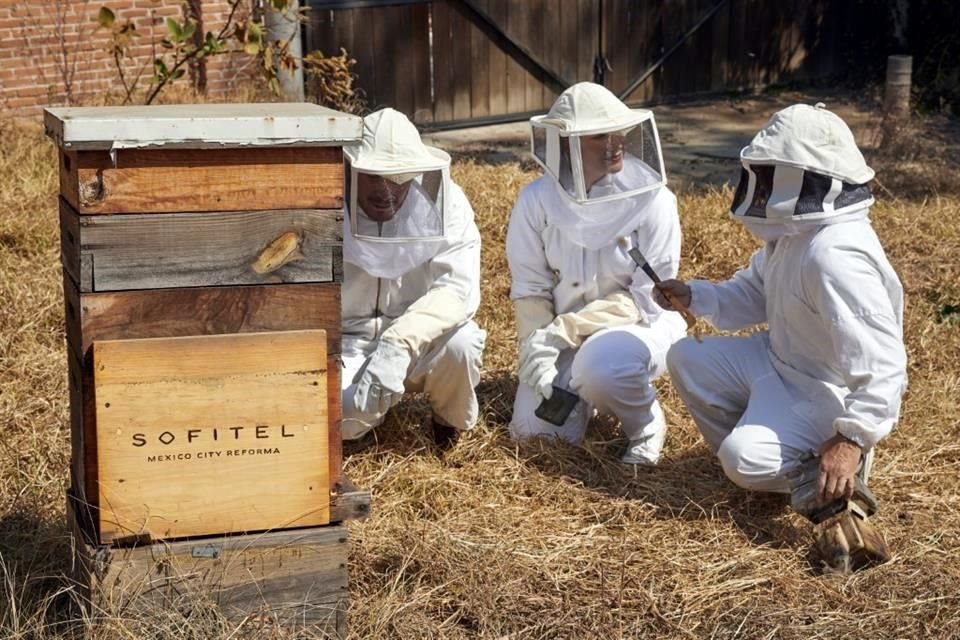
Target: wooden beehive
<point>297,577</point>
<point>201,249</point>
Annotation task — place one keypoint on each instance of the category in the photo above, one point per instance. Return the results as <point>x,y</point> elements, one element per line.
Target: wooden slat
<point>70,253</point>
<point>497,60</point>
<point>178,180</point>
<point>83,442</point>
<point>167,313</point>
<point>462,33</point>
<point>516,74</point>
<point>536,91</point>
<point>378,27</point>
<point>701,44</point>
<point>480,71</point>
<point>403,52</point>
<point>298,576</point>
<point>69,169</point>
<point>617,29</point>
<point>211,434</point>
<point>443,66</point>
<point>554,46</point>
<point>719,67</point>
<point>586,37</point>
<point>148,251</point>
<point>423,101</point>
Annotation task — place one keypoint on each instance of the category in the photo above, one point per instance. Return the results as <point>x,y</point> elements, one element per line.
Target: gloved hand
<point>381,384</point>
<point>538,360</point>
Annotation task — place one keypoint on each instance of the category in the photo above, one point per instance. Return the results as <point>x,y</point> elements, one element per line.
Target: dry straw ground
<point>540,540</point>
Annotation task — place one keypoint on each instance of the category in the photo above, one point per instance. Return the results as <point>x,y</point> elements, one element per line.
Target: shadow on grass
<point>36,556</point>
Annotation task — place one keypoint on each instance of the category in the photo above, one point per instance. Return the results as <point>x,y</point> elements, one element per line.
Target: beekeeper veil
<point>802,169</point>
<point>396,193</point>
<point>606,163</point>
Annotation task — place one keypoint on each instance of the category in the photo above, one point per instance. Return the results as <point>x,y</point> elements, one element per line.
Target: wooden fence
<point>450,62</point>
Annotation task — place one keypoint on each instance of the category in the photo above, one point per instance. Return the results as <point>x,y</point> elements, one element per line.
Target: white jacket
<point>371,306</point>
<point>834,306</point>
<point>545,264</point>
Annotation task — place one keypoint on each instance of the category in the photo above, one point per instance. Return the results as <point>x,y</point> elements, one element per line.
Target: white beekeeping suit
<point>411,282</point>
<point>832,365</point>
<point>587,322</point>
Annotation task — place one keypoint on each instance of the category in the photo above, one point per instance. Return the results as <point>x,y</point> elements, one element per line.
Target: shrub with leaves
<point>180,46</point>
<point>331,82</point>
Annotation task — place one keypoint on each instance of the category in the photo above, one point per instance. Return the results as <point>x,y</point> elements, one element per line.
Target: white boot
<point>646,451</point>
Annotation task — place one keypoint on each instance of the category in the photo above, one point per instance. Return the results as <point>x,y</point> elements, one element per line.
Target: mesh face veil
<point>604,162</point>
<point>397,196</point>
<point>396,207</point>
<point>802,168</point>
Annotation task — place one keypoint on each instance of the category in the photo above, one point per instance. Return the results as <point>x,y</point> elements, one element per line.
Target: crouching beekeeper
<point>829,374</point>
<point>411,282</point>
<point>586,318</point>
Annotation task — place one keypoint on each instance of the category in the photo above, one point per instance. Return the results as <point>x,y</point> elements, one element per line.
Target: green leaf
<point>188,30</point>
<point>160,67</point>
<point>275,85</point>
<point>166,44</point>
<point>252,48</point>
<point>176,33</point>
<point>106,17</point>
<point>178,73</point>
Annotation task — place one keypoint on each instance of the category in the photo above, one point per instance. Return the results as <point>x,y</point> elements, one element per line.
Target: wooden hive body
<point>201,251</point>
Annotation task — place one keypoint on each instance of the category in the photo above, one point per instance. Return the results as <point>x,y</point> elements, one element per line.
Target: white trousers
<point>448,370</point>
<point>612,372</point>
<point>757,423</point>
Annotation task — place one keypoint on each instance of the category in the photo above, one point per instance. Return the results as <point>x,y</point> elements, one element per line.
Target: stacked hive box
<point>201,249</point>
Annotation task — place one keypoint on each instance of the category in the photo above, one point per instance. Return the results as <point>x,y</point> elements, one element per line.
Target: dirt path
<point>701,141</point>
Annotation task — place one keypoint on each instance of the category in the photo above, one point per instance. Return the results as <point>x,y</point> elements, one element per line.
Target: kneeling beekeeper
<point>588,326</point>
<point>411,282</point>
<point>828,376</point>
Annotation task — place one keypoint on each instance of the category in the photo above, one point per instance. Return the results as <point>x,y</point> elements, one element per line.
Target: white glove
<point>538,360</point>
<point>381,384</point>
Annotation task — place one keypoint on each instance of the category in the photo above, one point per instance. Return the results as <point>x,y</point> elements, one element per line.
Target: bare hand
<point>839,459</point>
<point>677,289</point>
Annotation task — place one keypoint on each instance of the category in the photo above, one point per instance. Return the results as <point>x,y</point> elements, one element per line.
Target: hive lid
<point>195,126</point>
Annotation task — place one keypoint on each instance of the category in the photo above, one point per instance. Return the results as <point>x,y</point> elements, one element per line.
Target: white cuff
<point>703,298</point>
<point>854,432</point>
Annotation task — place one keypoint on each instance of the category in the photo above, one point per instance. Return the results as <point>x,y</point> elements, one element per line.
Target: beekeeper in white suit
<point>586,319</point>
<point>411,282</point>
<point>829,373</point>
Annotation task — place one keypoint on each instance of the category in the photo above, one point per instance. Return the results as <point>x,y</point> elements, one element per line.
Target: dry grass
<point>533,541</point>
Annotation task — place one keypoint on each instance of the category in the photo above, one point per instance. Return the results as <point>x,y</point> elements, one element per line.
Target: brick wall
<point>47,44</point>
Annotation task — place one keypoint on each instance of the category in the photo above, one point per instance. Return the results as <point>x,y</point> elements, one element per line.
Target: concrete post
<point>896,95</point>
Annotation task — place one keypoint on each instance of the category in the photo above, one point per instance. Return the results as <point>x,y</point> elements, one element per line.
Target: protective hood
<point>802,169</point>
<point>599,223</point>
<point>809,138</point>
<point>392,145</point>
<point>397,193</point>
<point>587,138</point>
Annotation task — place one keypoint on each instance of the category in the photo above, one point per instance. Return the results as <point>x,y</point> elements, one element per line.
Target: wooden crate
<point>195,311</point>
<point>204,223</point>
<point>204,435</point>
<point>297,577</point>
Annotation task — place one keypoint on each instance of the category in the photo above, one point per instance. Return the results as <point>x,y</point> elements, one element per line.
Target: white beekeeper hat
<point>810,138</point>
